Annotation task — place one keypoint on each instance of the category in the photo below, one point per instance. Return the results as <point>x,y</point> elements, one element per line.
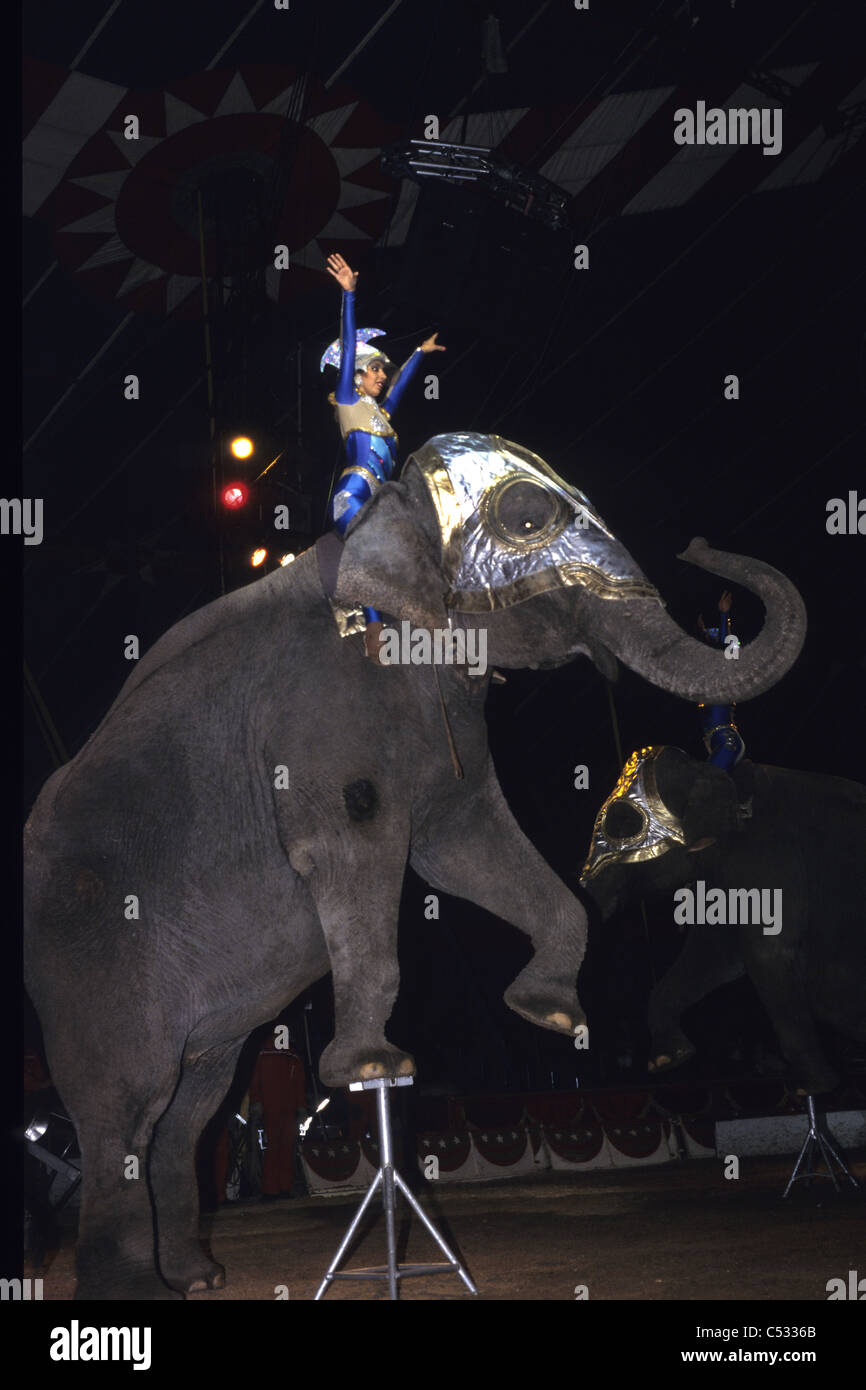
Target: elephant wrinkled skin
<point>257,789</point>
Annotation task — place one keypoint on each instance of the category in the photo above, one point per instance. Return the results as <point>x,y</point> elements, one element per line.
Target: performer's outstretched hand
<point>346,278</point>
<point>431,345</point>
<point>725,601</point>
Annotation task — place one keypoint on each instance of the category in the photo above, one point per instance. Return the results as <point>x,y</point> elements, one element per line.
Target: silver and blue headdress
<point>364,354</point>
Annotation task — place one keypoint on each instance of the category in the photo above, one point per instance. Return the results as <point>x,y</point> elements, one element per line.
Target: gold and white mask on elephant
<point>634,823</point>
<point>512,528</point>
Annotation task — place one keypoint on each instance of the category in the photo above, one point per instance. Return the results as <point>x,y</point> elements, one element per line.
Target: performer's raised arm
<point>717,636</point>
<point>407,371</point>
<point>722,738</point>
<point>347,280</point>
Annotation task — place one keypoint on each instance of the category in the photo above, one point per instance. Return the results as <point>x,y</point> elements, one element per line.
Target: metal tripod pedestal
<point>389,1180</point>
<point>819,1142</point>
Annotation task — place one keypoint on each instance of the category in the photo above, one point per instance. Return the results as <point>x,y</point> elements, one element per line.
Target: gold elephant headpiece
<point>655,827</point>
<point>492,559</point>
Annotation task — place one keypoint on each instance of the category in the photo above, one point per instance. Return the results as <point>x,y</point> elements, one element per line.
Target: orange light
<point>242,447</point>
<point>259,556</point>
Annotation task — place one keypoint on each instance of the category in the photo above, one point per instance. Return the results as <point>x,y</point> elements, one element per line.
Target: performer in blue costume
<point>370,441</point>
<point>721,735</point>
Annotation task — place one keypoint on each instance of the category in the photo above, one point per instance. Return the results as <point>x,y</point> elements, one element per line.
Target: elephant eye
<point>623,821</point>
<point>521,511</point>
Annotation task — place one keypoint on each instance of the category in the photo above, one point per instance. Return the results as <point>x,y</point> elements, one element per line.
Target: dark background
<point>614,375</point>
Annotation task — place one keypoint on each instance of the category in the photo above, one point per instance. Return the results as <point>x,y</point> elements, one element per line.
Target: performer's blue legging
<point>355,504</point>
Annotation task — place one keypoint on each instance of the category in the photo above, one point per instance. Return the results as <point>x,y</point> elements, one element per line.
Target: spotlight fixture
<point>506,182</point>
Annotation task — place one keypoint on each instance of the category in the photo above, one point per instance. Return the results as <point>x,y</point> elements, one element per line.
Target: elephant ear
<point>702,796</point>
<point>391,559</point>
<point>710,811</point>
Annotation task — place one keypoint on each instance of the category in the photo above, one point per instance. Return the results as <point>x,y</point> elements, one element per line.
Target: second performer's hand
<point>346,278</point>
<point>725,601</point>
<point>431,345</point>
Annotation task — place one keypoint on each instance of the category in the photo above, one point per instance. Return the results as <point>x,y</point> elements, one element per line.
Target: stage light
<point>302,1129</point>
<point>258,556</point>
<point>234,495</point>
<point>286,559</point>
<point>242,447</point>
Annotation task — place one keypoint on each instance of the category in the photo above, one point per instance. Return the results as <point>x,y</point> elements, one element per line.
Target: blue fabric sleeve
<point>716,635</point>
<point>345,392</point>
<point>724,626</point>
<point>401,381</point>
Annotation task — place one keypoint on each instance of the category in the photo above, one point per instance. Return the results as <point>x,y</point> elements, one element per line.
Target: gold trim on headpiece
<point>444,500</point>
<point>542,582</point>
<point>660,828</point>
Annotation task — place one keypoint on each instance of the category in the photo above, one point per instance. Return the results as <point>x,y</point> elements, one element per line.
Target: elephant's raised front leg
<point>475,849</point>
<point>352,856</point>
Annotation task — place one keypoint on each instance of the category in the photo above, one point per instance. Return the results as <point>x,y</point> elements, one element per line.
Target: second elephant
<point>777,896</point>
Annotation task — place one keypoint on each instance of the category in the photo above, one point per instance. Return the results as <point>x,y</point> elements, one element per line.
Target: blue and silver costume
<point>721,735</point>
<point>370,441</point>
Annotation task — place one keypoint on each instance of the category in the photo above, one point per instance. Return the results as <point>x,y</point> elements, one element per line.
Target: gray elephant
<point>777,896</point>
<point>240,822</point>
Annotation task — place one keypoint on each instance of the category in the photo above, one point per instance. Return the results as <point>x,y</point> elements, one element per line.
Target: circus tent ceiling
<point>702,256</point>
<point>122,211</point>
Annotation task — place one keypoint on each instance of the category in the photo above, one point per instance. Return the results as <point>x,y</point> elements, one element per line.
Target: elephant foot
<point>819,1080</point>
<point>341,1065</point>
<point>144,1288</point>
<point>560,1013</point>
<point>197,1275</point>
<point>664,1056</point>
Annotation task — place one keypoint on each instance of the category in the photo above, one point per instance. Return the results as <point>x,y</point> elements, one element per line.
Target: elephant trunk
<point>645,639</point>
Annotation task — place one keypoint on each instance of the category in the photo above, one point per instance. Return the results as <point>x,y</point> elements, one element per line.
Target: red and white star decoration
<point>124,211</point>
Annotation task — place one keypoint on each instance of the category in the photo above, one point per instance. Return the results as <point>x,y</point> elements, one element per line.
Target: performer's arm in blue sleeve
<point>345,392</point>
<point>716,635</point>
<point>724,626</point>
<point>401,381</point>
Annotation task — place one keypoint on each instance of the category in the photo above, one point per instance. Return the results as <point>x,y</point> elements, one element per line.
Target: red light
<point>234,496</point>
